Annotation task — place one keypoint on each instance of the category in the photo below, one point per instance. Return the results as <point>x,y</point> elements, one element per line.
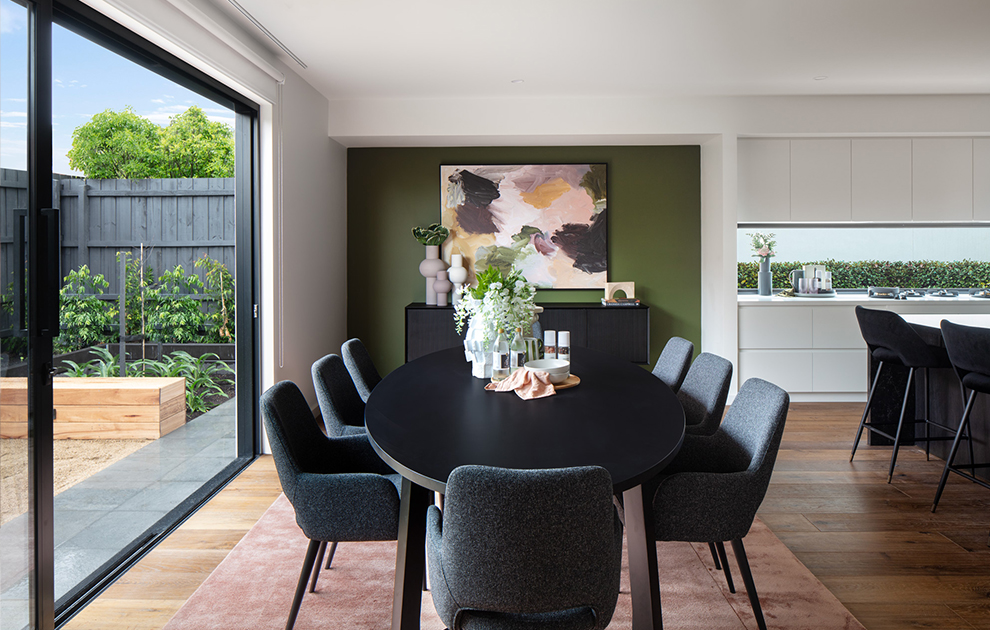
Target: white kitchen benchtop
<point>750,299</point>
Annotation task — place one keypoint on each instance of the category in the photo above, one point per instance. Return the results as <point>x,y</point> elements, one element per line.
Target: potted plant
<point>496,301</point>
<point>763,245</point>
<point>432,236</point>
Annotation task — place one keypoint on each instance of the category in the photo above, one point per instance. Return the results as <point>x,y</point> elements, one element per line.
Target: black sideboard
<point>623,331</point>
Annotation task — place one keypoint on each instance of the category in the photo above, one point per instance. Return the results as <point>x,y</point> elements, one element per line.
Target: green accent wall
<point>654,233</point>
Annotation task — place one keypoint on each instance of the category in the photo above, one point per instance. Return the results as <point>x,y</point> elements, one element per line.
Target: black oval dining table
<point>430,416</point>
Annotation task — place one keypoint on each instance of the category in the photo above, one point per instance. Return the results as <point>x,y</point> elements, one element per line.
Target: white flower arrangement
<point>498,301</point>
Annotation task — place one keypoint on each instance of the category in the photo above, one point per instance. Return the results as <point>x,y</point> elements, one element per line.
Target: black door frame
<point>43,280</point>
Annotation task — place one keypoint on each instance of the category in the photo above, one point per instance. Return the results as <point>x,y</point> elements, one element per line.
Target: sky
<point>87,79</point>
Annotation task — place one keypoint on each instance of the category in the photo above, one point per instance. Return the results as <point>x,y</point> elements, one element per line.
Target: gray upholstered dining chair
<point>674,361</point>
<point>360,366</point>
<point>712,489</point>
<point>339,488</point>
<point>340,405</point>
<point>521,549</point>
<point>703,393</point>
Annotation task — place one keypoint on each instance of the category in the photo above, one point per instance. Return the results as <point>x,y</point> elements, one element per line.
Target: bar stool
<point>969,352</point>
<point>892,340</point>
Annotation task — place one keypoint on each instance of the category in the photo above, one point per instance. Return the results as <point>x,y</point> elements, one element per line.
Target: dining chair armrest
<point>706,507</point>
<point>443,599</point>
<point>346,506</point>
<point>352,453</point>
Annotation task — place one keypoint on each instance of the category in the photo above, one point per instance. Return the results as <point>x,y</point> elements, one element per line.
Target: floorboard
<point>875,545</point>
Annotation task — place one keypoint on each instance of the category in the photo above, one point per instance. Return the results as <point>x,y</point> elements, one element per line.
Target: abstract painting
<point>547,220</point>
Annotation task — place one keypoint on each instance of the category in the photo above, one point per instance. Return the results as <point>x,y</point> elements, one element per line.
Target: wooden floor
<point>876,546</point>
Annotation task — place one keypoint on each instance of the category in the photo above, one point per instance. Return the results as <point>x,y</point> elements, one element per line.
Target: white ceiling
<point>395,49</point>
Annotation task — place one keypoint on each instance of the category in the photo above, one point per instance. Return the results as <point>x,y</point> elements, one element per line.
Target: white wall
<point>310,312</point>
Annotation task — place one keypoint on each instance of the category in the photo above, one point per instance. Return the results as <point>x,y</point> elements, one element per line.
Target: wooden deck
<point>875,545</point>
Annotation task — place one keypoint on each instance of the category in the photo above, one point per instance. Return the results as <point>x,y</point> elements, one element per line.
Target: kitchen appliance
<point>882,293</point>
<point>942,293</point>
<point>981,293</point>
<point>910,293</point>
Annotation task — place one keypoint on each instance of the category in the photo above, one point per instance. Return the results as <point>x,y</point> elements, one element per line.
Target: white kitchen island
<point>812,347</point>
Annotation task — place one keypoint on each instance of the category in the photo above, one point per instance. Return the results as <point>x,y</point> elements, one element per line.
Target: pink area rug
<point>252,588</point>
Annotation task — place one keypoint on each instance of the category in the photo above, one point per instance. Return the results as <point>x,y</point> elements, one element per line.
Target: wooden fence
<point>177,221</point>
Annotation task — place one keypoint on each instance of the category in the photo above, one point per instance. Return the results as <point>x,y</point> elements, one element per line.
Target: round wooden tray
<point>571,381</point>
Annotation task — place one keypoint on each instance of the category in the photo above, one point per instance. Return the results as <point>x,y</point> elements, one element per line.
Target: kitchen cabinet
<point>820,183</point>
<point>881,179</point>
<point>623,331</point>
<point>942,179</point>
<point>764,167</point>
<point>863,179</point>
<point>981,179</point>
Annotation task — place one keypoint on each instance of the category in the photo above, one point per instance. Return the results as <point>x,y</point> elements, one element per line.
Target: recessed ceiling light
<point>820,77</point>
<point>518,81</point>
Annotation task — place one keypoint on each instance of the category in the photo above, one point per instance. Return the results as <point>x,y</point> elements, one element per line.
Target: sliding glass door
<point>127,275</point>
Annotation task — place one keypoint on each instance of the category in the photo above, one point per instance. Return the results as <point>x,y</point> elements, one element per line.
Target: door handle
<point>49,230</point>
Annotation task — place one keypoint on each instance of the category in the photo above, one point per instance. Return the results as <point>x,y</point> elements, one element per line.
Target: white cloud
<point>157,100</point>
<point>16,100</point>
<point>12,125</point>
<point>16,114</point>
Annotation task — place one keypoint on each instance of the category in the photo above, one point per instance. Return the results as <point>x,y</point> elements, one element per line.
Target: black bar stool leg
<point>952,452</point>
<point>900,425</point>
<point>725,566</point>
<point>866,411</point>
<point>317,565</point>
<point>928,442</point>
<point>747,575</point>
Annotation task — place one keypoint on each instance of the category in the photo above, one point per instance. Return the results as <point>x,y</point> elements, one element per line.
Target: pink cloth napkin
<point>527,384</point>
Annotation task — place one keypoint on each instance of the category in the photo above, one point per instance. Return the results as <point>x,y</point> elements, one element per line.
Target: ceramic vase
<point>764,279</point>
<point>457,274</point>
<point>428,269</point>
<point>477,351</point>
<point>442,287</point>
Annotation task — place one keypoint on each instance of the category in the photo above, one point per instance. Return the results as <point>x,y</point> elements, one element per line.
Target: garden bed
<point>101,408</point>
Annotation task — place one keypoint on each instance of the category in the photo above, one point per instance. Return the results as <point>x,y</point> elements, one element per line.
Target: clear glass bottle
<point>500,357</point>
<point>517,351</point>
<point>564,345</point>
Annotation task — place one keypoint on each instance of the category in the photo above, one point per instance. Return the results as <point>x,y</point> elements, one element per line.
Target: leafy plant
<point>220,287</point>
<point>433,234</point>
<point>83,316</point>
<point>498,301</point>
<point>763,245</point>
<point>124,145</point>
<point>204,377</point>
<point>76,370</point>
<point>174,315</point>
<point>879,273</point>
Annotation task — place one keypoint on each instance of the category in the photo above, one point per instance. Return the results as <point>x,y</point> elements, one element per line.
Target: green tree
<point>116,145</point>
<point>127,146</point>
<point>195,146</point>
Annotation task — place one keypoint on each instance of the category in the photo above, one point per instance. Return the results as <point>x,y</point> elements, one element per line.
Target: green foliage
<point>173,315</point>
<point>194,146</point>
<point>116,145</point>
<point>204,376</point>
<point>135,285</point>
<point>879,273</point>
<point>433,234</point>
<point>125,145</point>
<point>83,317</point>
<point>220,288</point>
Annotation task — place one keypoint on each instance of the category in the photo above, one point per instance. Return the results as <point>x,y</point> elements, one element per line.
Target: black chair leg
<point>866,411</point>
<point>333,549</point>
<point>955,446</point>
<point>307,568</point>
<point>718,564</point>
<point>747,575</point>
<point>317,565</point>
<point>725,566</point>
<point>900,425</point>
<point>928,442</point>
